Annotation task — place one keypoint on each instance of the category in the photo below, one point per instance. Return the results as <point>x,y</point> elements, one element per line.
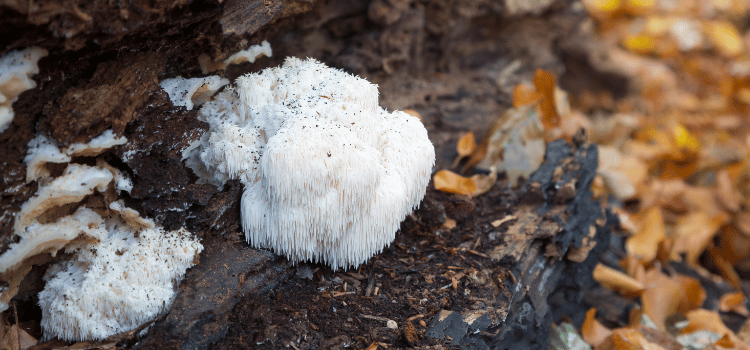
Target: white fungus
<point>76,182</point>
<point>42,150</point>
<point>123,279</point>
<point>328,174</point>
<point>192,92</point>
<point>16,69</point>
<point>250,55</point>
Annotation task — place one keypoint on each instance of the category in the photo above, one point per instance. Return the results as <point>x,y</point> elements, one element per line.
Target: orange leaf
<point>734,302</point>
<point>466,144</point>
<point>617,281</point>
<point>448,181</point>
<point>725,342</point>
<point>544,82</point>
<point>693,293</point>
<point>525,95</point>
<point>703,319</point>
<point>645,244</point>
<point>733,244</point>
<point>413,113</point>
<point>484,182</point>
<point>592,331</point>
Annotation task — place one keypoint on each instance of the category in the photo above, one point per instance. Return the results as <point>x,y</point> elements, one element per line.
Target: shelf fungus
<point>328,174</point>
<point>119,270</point>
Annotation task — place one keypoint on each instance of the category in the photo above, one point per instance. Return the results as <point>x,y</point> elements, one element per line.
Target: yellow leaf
<point>726,38</point>
<point>448,181</point>
<point>639,6</point>
<point>601,6</point>
<point>640,43</point>
<point>685,140</point>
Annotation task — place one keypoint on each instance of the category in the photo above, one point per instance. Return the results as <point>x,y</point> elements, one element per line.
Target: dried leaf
<point>544,82</point>
<point>17,339</point>
<point>525,95</point>
<point>726,38</point>
<point>726,193</point>
<point>484,182</point>
<point>662,298</point>
<point>466,144</point>
<point>617,281</point>
<point>703,319</point>
<point>693,293</point>
<point>448,181</point>
<point>645,244</point>
<point>592,331</point>
<point>734,302</point>
<point>726,268</point>
<point>449,223</point>
<point>694,232</point>
<point>413,113</point>
<point>515,143</point>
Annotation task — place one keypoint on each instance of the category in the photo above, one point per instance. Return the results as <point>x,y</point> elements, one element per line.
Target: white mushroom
<point>328,174</point>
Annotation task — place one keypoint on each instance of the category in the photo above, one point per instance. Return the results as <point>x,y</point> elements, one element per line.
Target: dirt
<point>473,285</point>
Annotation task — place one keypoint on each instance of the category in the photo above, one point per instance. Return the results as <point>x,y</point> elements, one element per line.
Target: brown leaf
<point>544,82</point>
<point>734,302</point>
<point>726,193</point>
<point>617,281</point>
<point>448,181</point>
<point>694,232</point>
<point>17,339</point>
<point>525,95</point>
<point>693,293</point>
<point>703,319</point>
<point>645,244</point>
<point>484,182</point>
<point>592,331</point>
<point>662,298</point>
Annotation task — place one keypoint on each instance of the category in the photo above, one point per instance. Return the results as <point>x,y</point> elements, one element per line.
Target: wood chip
<point>499,222</point>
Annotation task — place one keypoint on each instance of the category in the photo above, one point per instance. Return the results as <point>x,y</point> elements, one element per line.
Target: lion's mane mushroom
<point>328,174</point>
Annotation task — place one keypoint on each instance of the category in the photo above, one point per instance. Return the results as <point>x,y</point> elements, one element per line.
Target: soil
<point>472,285</point>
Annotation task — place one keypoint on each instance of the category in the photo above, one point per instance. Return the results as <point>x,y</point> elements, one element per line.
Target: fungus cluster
<point>328,175</point>
<point>120,270</point>
<point>121,281</point>
<point>16,69</point>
